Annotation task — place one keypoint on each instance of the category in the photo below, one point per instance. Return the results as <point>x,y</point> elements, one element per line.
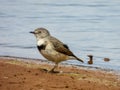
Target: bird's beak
<point>32,32</point>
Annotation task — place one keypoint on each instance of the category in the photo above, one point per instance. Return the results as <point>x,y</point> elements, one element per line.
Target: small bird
<point>51,48</point>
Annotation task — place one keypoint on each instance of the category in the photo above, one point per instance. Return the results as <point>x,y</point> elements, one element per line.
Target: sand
<point>16,74</point>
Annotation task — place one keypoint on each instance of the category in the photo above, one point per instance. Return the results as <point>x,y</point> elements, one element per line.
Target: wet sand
<point>17,74</point>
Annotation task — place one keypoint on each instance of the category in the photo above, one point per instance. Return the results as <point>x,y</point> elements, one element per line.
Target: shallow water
<point>88,27</point>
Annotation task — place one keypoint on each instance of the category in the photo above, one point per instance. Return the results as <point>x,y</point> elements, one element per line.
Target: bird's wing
<point>60,47</point>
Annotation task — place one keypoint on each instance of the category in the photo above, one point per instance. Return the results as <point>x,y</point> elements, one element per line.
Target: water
<point>87,26</point>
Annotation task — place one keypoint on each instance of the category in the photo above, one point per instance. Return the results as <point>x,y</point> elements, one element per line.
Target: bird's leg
<point>52,70</point>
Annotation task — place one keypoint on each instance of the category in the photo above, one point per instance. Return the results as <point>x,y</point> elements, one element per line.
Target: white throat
<point>40,42</point>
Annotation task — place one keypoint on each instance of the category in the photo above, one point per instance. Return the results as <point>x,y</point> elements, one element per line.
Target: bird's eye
<point>39,32</point>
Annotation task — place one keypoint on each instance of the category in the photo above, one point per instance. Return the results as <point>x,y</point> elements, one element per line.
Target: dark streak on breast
<point>42,47</point>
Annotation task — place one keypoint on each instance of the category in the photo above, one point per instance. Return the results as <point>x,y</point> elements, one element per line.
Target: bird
<point>90,59</point>
<point>52,48</point>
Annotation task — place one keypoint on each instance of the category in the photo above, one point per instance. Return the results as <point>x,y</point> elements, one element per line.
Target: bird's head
<point>40,33</point>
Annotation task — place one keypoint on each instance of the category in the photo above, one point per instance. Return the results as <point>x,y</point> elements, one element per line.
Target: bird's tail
<point>79,59</point>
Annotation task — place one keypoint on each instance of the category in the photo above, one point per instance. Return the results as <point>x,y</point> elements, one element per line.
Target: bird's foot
<point>51,71</point>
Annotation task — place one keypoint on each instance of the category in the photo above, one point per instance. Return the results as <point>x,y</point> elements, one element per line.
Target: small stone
<point>90,59</point>
<point>36,74</point>
<point>66,86</point>
<point>106,59</point>
<point>29,71</point>
<point>15,75</point>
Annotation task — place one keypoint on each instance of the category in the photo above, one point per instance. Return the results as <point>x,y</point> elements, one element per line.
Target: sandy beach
<point>16,74</point>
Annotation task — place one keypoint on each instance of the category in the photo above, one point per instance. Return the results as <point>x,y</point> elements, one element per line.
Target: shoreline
<point>19,74</point>
<point>49,62</point>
